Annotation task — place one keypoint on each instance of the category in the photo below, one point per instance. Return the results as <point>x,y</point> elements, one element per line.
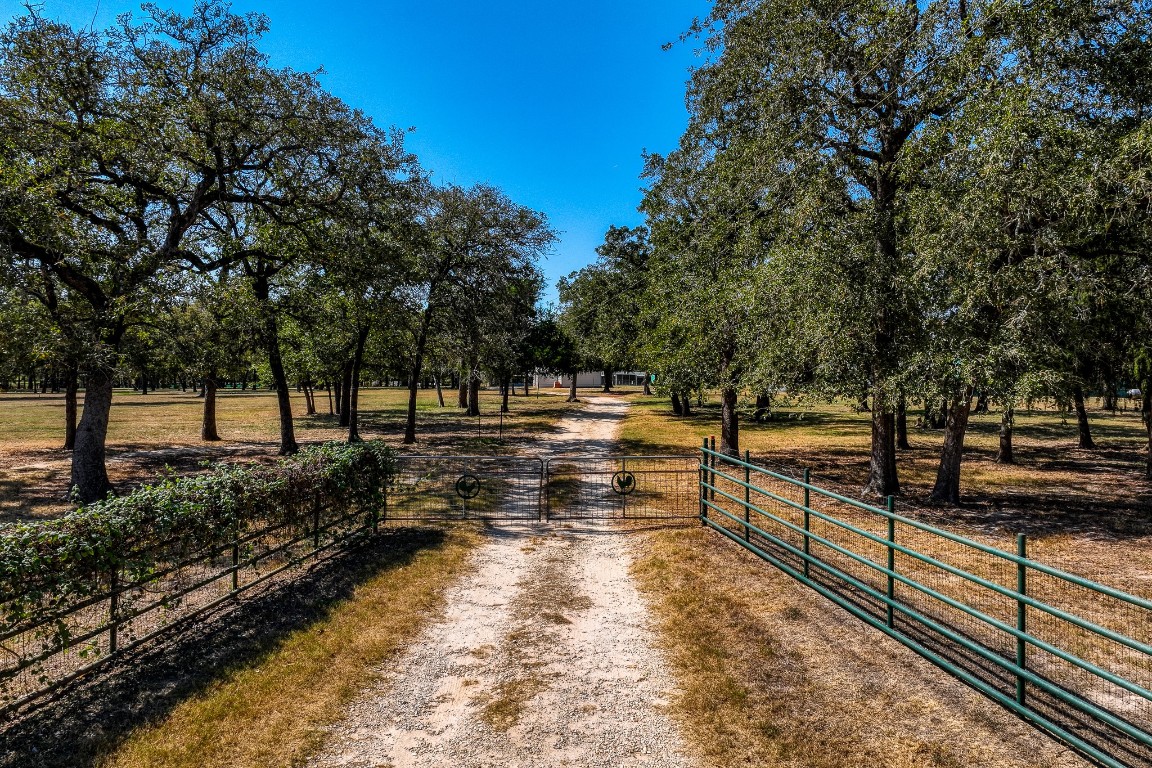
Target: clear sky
<point>551,101</point>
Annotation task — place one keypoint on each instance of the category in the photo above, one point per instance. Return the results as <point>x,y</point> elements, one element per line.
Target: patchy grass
<point>272,711</point>
<point>772,674</point>
<point>1054,487</point>
<point>148,434</point>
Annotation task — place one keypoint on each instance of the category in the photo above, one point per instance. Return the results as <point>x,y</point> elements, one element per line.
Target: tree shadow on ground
<point>1100,492</point>
<point>85,721</point>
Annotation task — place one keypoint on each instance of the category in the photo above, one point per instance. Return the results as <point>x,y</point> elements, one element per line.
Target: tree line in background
<point>173,208</point>
<point>896,203</point>
<point>901,204</point>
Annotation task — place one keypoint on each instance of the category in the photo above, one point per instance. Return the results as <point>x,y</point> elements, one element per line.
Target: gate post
<point>1021,615</point>
<point>747,494</point>
<point>703,488</point>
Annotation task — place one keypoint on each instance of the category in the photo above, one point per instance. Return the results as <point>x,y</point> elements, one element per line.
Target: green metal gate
<point>1069,655</point>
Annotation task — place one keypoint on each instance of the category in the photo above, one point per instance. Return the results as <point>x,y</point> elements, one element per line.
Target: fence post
<point>712,464</point>
<point>624,497</point>
<point>747,494</point>
<point>235,560</point>
<point>703,483</point>
<point>113,603</point>
<point>891,560</point>
<point>1021,619</point>
<point>316,524</point>
<point>807,518</point>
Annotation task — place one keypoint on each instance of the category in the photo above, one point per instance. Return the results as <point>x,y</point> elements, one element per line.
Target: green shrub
<point>50,564</point>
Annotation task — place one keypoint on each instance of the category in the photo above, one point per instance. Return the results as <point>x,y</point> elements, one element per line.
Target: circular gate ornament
<point>467,486</point>
<point>623,482</point>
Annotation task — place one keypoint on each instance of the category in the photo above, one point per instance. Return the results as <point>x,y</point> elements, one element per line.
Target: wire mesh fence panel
<point>466,487</point>
<point>623,487</point>
<point>1071,655</point>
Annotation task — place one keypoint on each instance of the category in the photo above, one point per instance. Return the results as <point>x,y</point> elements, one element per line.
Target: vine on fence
<point>48,565</point>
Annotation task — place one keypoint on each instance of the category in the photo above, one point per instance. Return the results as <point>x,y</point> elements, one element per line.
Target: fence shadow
<point>79,725</point>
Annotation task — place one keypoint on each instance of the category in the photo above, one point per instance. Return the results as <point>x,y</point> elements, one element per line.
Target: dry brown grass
<point>272,712</point>
<point>149,433</point>
<point>771,674</point>
<point>1055,487</point>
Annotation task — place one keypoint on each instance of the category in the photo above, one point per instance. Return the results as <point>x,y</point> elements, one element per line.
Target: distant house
<point>590,379</point>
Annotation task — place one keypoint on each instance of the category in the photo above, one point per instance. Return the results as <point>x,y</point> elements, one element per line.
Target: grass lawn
<point>148,433</point>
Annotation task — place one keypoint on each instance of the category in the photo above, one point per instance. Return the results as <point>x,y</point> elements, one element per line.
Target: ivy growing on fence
<point>47,566</point>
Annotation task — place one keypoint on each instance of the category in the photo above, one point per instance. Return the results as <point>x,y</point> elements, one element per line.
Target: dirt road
<point>544,657</point>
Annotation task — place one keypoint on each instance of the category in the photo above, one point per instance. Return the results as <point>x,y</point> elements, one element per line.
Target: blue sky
<point>551,101</point>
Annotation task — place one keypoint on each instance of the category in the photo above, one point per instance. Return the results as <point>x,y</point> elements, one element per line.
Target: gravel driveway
<point>544,657</point>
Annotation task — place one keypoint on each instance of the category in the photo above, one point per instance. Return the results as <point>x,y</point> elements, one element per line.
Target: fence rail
<point>556,488</point>
<point>1072,656</point>
<point>52,649</point>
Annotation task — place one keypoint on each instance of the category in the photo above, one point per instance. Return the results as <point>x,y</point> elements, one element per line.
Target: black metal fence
<point>622,487</point>
<point>466,487</point>
<point>51,648</point>
<point>560,488</point>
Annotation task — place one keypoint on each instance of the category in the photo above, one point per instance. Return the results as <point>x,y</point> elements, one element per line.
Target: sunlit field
<point>150,433</point>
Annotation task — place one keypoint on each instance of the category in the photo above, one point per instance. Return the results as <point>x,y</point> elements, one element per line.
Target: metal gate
<point>466,488</point>
<point>622,487</point>
<point>527,488</point>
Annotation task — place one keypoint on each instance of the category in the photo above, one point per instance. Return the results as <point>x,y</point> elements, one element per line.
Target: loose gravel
<point>546,656</point>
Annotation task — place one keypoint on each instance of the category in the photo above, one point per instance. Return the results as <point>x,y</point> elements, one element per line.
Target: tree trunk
<point>1082,419</point>
<point>686,401</point>
<point>439,391</point>
<point>902,425</point>
<point>947,488</point>
<point>981,402</point>
<point>729,423</point>
<point>607,383</point>
<point>572,389</point>
<point>647,387</point>
<point>330,404</point>
<point>345,393</point>
<point>89,471</point>
<point>309,398</point>
<point>882,477</point>
<point>763,407</point>
<point>414,378</point>
<point>143,383</point>
<point>1146,413</point>
<point>208,423</point>
<point>288,443</point>
<point>354,397</point>
<point>339,386</point>
<point>473,395</point>
<point>934,418</point>
<point>462,397</point>
<point>507,384</point>
<point>71,387</point>
<point>1006,420</point>
<point>677,409</point>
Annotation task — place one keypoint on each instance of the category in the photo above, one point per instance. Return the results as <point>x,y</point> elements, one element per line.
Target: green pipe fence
<point>1071,656</point>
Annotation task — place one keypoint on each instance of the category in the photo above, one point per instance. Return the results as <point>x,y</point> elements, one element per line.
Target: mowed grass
<point>147,434</point>
<point>271,711</point>
<point>771,674</point>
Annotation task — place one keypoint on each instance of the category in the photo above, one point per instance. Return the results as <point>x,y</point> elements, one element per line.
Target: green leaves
<point>48,565</point>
